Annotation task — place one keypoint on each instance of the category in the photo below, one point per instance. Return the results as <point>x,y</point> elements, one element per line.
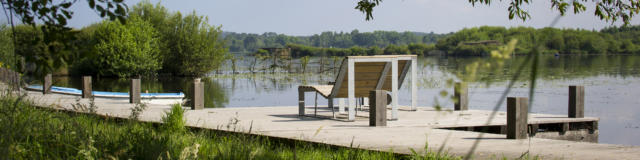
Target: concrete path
<point>412,131</point>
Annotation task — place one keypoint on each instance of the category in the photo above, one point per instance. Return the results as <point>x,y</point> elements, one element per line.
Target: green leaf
<point>92,3</point>
<point>443,93</point>
<point>66,5</point>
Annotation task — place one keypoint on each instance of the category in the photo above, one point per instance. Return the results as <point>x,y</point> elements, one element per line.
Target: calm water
<point>612,87</point>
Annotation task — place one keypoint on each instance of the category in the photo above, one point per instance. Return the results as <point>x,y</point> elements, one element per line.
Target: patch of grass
<point>30,132</point>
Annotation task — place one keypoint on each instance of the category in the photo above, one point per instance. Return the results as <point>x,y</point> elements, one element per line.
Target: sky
<point>308,17</point>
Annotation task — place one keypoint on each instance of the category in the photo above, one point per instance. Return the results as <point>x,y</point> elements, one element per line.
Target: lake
<point>612,86</point>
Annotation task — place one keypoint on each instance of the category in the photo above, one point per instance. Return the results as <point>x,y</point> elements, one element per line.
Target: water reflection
<point>551,67</point>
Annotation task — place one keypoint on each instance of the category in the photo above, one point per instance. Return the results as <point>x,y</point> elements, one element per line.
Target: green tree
<point>189,45</point>
<point>194,48</point>
<point>126,50</point>
<point>38,55</point>
<point>53,15</point>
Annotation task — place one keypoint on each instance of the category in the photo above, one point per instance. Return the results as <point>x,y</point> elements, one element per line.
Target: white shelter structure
<point>360,74</point>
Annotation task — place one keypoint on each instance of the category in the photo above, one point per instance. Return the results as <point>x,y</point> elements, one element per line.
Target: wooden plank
<point>365,64</point>
<point>360,92</point>
<point>365,69</point>
<point>367,76</point>
<point>366,83</point>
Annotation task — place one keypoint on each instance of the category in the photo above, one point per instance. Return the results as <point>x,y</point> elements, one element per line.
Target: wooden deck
<point>412,130</point>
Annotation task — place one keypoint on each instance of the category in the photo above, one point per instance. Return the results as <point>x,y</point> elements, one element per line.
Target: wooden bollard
<point>301,101</point>
<point>134,91</point>
<point>576,101</point>
<point>86,87</point>
<point>16,81</point>
<point>198,95</point>
<point>378,108</point>
<point>462,97</point>
<point>4,76</point>
<point>517,109</point>
<point>46,84</point>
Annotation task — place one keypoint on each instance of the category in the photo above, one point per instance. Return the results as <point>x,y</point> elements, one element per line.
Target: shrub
<point>125,50</point>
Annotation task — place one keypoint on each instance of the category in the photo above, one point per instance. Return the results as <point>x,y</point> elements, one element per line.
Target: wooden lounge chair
<point>360,74</point>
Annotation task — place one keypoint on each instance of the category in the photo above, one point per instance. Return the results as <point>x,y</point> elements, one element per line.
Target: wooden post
<point>517,109</point>
<point>333,110</point>
<point>134,91</point>
<point>301,101</point>
<point>198,95</point>
<point>461,96</point>
<point>593,126</point>
<point>16,81</point>
<point>576,101</point>
<point>86,87</point>
<point>377,108</point>
<point>46,84</point>
<point>4,75</point>
<point>564,127</point>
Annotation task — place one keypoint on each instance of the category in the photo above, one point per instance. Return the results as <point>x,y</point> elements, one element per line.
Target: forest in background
<point>250,42</point>
<point>476,41</point>
<point>612,40</point>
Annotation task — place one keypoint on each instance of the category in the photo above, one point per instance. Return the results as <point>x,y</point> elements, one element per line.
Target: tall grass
<point>30,132</point>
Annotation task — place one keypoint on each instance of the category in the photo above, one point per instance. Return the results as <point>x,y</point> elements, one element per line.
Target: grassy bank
<point>29,132</point>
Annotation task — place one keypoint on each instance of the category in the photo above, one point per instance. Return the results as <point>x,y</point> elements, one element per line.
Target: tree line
<point>247,42</point>
<point>298,50</point>
<point>612,40</point>
<point>151,41</point>
<point>477,41</point>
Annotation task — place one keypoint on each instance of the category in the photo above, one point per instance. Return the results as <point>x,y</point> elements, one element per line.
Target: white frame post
<point>341,105</point>
<point>394,89</point>
<point>414,83</point>
<point>352,89</point>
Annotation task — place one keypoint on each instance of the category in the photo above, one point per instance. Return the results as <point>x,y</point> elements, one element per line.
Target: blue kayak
<point>73,91</point>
